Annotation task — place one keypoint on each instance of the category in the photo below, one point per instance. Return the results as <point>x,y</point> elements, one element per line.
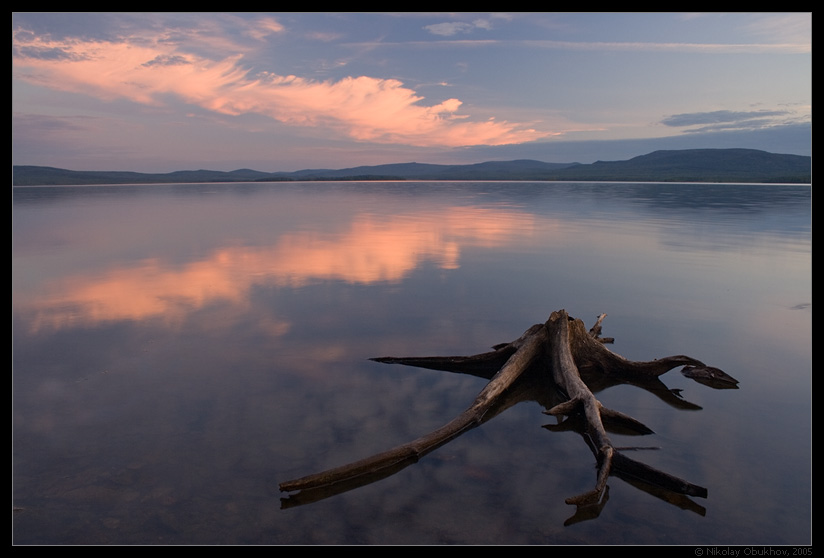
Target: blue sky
<point>157,92</point>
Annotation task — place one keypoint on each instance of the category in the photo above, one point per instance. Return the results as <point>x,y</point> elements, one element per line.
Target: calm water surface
<point>179,350</point>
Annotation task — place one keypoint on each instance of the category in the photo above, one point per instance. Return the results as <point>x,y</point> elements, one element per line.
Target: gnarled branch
<point>563,347</point>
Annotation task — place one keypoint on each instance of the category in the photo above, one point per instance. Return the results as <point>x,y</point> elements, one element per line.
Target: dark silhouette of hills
<point>689,165</point>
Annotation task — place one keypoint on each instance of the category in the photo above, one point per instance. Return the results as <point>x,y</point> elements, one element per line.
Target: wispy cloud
<point>731,120</point>
<point>717,116</point>
<point>455,27</point>
<point>800,47</point>
<point>708,48</point>
<point>783,27</point>
<point>449,28</point>
<point>146,70</point>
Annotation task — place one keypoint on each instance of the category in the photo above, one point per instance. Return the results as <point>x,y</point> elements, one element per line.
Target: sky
<point>159,92</point>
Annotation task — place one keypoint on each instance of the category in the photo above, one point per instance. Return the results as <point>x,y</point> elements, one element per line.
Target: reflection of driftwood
<point>577,364</point>
<point>530,348</point>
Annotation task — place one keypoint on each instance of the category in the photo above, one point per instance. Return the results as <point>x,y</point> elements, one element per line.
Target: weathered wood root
<point>566,348</point>
<point>710,376</point>
<point>595,330</point>
<point>582,401</point>
<point>484,365</point>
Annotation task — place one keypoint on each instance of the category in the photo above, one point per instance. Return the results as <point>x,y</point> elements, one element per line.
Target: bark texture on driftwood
<point>563,348</point>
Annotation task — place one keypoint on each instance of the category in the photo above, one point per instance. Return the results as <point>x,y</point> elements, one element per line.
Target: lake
<point>179,350</point>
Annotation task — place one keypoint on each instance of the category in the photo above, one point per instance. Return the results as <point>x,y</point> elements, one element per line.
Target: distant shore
<point>689,165</point>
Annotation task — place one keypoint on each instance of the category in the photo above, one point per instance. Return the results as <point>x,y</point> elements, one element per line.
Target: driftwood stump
<point>577,364</point>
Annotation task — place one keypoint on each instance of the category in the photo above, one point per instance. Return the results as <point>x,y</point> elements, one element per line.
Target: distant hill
<point>26,175</point>
<point>699,165</point>
<point>688,165</point>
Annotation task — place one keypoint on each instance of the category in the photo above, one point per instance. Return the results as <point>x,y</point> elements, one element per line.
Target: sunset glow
<point>160,92</point>
<point>145,70</point>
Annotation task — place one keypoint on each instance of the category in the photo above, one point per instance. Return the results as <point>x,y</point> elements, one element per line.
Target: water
<point>179,350</point>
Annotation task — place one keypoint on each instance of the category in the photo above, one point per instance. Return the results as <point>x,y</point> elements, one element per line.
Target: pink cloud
<point>362,108</point>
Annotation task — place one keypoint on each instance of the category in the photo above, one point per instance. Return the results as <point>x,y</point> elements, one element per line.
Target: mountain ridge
<point>684,165</point>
